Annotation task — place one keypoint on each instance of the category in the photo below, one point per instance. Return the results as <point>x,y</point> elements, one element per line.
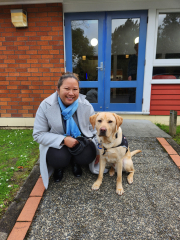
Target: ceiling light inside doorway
<point>94,42</point>
<point>136,40</point>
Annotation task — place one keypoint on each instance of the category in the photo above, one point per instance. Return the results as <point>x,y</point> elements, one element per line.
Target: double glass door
<point>107,51</point>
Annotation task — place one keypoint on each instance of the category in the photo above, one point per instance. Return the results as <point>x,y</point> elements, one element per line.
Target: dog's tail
<point>134,152</point>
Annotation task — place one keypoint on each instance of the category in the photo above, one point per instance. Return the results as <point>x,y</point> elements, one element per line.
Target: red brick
<point>19,230</point>
<point>22,38</point>
<point>5,115</point>
<point>38,189</point>
<point>16,107</point>
<point>13,39</point>
<point>53,24</point>
<point>27,115</point>
<point>42,52</point>
<point>31,52</point>
<point>36,74</point>
<point>42,43</point>
<point>22,52</point>
<point>21,60</point>
<point>6,34</point>
<point>5,99</point>
<point>34,38</point>
<point>19,43</point>
<point>3,65</point>
<point>24,56</point>
<point>41,24</point>
<point>6,107</point>
<point>32,61</point>
<point>48,56</point>
<point>33,70</point>
<point>47,65</point>
<point>23,47</point>
<point>43,60</point>
<point>16,115</point>
<point>30,34</point>
<point>22,111</point>
<point>53,33</point>
<point>11,48</point>
<point>46,47</point>
<point>27,107</point>
<point>35,47</point>
<point>42,33</point>
<point>25,74</point>
<point>3,48</point>
<point>52,14</point>
<point>48,74</point>
<point>48,83</point>
<point>3,111</point>
<point>36,56</point>
<point>27,99</point>
<point>11,87</point>
<point>12,111</point>
<point>54,60</point>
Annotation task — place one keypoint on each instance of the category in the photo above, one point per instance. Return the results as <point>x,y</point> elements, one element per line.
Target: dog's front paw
<point>120,191</point>
<point>130,179</point>
<point>95,186</point>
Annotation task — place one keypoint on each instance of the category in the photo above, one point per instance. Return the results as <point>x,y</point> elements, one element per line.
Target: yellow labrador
<point>112,149</point>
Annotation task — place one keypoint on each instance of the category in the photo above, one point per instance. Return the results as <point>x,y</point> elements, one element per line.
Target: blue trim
<point>104,43</point>
<point>140,70</point>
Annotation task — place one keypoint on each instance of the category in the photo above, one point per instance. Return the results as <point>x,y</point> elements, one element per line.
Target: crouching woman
<point>60,119</point>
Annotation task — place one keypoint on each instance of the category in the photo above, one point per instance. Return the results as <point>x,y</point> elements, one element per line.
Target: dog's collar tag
<point>99,145</point>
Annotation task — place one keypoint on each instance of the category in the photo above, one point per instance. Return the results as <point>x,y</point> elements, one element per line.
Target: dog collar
<point>124,143</point>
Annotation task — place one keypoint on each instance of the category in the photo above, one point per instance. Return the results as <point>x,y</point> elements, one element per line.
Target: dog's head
<point>106,123</point>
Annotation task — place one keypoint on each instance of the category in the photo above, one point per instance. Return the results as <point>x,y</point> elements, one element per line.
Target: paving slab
<point>142,128</point>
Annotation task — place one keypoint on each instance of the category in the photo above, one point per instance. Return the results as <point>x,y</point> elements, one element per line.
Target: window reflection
<point>123,95</point>
<point>85,49</point>
<point>168,38</point>
<point>124,51</point>
<point>166,73</point>
<point>91,94</point>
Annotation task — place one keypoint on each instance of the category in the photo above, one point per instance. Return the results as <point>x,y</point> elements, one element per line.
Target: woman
<point>61,118</point>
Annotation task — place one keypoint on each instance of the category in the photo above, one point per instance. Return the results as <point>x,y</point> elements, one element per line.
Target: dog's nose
<point>102,131</point>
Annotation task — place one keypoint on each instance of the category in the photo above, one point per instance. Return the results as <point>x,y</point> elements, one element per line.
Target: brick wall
<point>31,59</point>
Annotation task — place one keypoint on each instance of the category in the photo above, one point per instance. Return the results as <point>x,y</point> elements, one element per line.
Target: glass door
<point>84,54</point>
<point>107,51</point>
<point>125,59</point>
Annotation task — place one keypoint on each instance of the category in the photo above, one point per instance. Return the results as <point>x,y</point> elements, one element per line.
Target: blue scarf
<point>67,112</point>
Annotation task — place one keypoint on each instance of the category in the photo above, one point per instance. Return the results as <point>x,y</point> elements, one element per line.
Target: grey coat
<point>49,132</point>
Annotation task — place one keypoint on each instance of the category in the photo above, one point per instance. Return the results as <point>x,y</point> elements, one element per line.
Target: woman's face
<point>69,91</point>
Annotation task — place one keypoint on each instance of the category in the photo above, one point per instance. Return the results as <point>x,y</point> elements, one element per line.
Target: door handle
<point>101,66</point>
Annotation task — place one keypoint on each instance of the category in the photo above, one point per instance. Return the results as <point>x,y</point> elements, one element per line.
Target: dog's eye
<point>99,121</point>
<point>110,121</point>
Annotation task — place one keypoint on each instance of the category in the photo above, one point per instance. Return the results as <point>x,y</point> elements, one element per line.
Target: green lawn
<point>18,155</point>
<point>165,128</point>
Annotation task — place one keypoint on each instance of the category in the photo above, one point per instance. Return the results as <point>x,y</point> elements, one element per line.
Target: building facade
<point>126,53</point>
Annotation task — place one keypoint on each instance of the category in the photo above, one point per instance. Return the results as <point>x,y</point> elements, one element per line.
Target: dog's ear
<point>119,120</point>
<point>92,119</point>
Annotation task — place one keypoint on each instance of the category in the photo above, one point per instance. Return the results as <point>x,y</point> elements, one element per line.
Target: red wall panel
<point>165,98</point>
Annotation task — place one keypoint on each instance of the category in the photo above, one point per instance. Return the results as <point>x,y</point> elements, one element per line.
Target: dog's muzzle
<point>102,131</point>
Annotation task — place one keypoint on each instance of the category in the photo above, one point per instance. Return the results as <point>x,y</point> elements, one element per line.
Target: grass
<point>165,128</point>
<point>18,155</point>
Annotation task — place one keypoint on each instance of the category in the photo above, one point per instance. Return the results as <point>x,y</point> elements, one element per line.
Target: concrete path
<point>149,208</point>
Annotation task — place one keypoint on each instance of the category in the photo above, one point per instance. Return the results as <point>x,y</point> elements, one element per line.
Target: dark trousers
<point>60,158</point>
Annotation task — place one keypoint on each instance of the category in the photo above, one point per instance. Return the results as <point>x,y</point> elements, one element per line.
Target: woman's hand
<point>70,142</point>
<point>97,159</point>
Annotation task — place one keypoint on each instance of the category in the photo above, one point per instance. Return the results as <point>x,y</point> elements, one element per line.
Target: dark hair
<point>67,75</point>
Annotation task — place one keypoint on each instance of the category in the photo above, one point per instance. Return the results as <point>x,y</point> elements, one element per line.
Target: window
<point>166,67</point>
